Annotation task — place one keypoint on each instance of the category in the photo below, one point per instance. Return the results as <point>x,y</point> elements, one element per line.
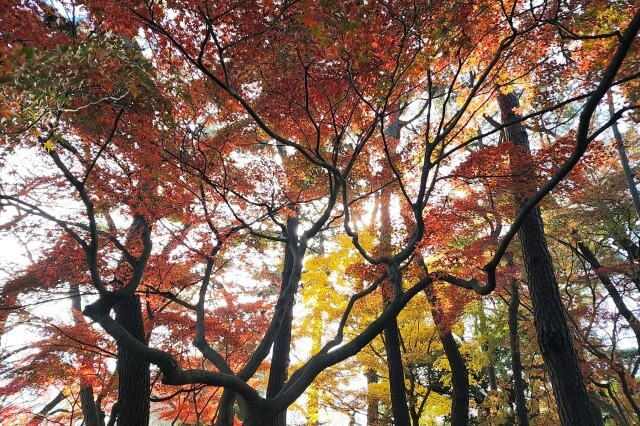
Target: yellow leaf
<point>133,90</point>
<point>48,145</point>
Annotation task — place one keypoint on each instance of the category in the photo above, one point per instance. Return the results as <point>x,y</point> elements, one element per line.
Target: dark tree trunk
<point>522,415</point>
<point>399,404</point>
<point>89,408</point>
<point>225,408</point>
<point>397,388</point>
<point>133,374</point>
<point>415,418</point>
<point>596,412</point>
<point>415,407</point>
<point>551,326</point>
<point>459,372</point>
<point>282,342</point>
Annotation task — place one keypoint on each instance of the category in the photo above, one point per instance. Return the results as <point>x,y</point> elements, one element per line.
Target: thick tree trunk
<point>397,388</point>
<point>134,385</point>
<point>282,343</point>
<point>225,408</point>
<point>551,326</point>
<point>522,415</point>
<point>459,372</point>
<point>133,374</point>
<point>399,404</point>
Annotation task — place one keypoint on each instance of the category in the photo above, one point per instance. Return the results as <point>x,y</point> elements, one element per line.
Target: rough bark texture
<point>522,416</point>
<point>282,343</point>
<point>89,408</point>
<point>396,375</point>
<point>225,408</point>
<point>133,373</point>
<point>553,333</point>
<point>459,372</point>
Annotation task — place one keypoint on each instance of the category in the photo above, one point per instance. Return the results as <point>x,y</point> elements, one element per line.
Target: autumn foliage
<point>200,188</point>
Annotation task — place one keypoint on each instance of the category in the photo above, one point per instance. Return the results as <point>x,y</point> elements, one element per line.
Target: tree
<point>459,372</point>
<point>182,138</point>
<point>553,333</point>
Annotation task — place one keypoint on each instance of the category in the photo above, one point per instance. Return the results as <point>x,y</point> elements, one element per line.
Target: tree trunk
<point>522,415</point>
<point>133,374</point>
<point>89,408</point>
<point>399,405</point>
<point>459,372</point>
<point>282,342</point>
<point>551,326</point>
<point>225,408</point>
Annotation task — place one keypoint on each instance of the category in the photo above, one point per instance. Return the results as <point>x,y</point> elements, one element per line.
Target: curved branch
<point>172,373</point>
<point>582,143</point>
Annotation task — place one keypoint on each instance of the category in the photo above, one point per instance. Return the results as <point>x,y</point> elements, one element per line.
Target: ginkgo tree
<point>197,151</point>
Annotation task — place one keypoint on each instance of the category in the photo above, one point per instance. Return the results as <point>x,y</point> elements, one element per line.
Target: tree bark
<point>282,342</point>
<point>459,372</point>
<point>133,374</point>
<point>553,333</point>
<point>397,388</point>
<point>89,408</point>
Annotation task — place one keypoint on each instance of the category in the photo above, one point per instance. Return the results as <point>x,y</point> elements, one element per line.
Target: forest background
<point>313,212</point>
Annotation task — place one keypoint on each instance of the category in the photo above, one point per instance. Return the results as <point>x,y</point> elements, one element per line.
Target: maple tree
<point>198,168</point>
